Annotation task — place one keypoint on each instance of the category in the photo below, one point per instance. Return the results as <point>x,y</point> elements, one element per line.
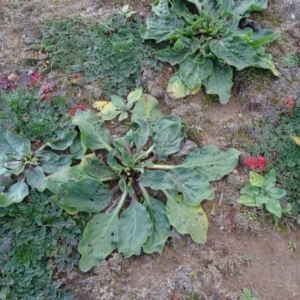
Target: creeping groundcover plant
<point>207,38</point>
<point>118,180</point>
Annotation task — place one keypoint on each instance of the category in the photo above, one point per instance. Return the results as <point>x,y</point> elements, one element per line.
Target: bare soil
<point>243,249</point>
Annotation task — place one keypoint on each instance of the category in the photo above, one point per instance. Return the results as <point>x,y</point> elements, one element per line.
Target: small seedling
<point>292,246</point>
<point>20,167</point>
<point>262,191</point>
<point>247,295</point>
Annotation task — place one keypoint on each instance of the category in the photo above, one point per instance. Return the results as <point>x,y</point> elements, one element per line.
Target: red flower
<point>72,110</point>
<point>290,103</point>
<point>253,162</point>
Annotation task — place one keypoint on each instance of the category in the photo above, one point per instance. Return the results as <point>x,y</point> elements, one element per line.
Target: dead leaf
<point>296,139</point>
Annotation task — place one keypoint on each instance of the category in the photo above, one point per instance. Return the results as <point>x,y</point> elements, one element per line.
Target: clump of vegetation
<point>262,191</point>
<point>207,39</point>
<point>291,60</point>
<point>37,242</point>
<point>273,140</point>
<point>23,112</point>
<point>115,179</point>
<point>20,167</point>
<point>112,53</point>
<point>247,295</point>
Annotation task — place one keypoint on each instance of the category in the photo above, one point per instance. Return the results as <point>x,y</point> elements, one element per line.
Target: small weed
<point>292,246</point>
<point>247,295</point>
<point>291,60</point>
<point>23,112</point>
<point>112,53</point>
<point>37,241</point>
<point>272,139</point>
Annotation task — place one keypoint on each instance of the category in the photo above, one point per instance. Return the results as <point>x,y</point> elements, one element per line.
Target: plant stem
<point>119,202</point>
<point>42,147</point>
<point>149,150</point>
<point>161,167</point>
<point>144,192</point>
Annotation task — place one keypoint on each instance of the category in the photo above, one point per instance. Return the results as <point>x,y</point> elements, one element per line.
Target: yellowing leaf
<point>107,109</point>
<point>256,179</point>
<point>102,105</point>
<point>296,139</point>
<point>178,89</point>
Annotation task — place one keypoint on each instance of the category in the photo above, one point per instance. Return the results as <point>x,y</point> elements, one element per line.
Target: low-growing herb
<point>262,191</point>
<point>111,53</point>
<point>116,179</point>
<point>273,139</point>
<point>20,167</point>
<point>23,112</point>
<point>206,41</point>
<point>37,246</point>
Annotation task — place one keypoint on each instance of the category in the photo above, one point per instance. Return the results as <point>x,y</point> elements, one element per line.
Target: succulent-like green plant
<point>116,180</point>
<point>206,43</point>
<point>261,191</point>
<point>20,167</point>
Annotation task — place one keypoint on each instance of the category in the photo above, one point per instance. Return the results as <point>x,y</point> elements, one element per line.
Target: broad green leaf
<point>287,209</point>
<point>52,162</point>
<point>160,230</point>
<point>172,56</point>
<point>261,199</point>
<point>77,150</point>
<point>248,200</point>
<point>146,108</point>
<point>250,190</point>
<point>211,162</point>
<point>76,173</point>
<point>161,28</point>
<point>193,70</point>
<point>94,135</point>
<point>123,115</point>
<point>256,179</point>
<point>88,195</point>
<point>16,143</point>
<point>134,96</point>
<point>63,140</point>
<point>100,238</point>
<point>4,145</point>
<point>134,229</point>
<point>35,177</point>
<point>140,133</point>
<point>234,51</point>
<point>193,186</point>
<point>275,193</point>
<point>161,8</point>
<point>187,219</point>
<point>16,167</point>
<point>262,37</point>
<point>5,179</point>
<point>274,207</point>
<point>244,8</point>
<point>219,82</point>
<point>178,89</point>
<point>68,209</point>
<point>168,134</point>
<point>98,169</point>
<point>157,180</point>
<point>118,102</point>
<point>270,180</point>
<point>15,194</point>
<point>107,110</point>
